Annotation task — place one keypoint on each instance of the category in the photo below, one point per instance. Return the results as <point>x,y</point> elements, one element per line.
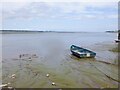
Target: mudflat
<point>44,60</point>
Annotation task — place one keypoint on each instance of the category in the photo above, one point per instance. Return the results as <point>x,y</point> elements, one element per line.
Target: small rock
<point>8,83</point>
<point>20,56</point>
<point>34,55</point>
<point>13,75</point>
<point>53,83</point>
<point>47,75</point>
<point>29,58</point>
<point>10,87</point>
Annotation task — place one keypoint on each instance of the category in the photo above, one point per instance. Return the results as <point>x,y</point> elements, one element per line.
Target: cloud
<point>74,10</point>
<point>113,16</point>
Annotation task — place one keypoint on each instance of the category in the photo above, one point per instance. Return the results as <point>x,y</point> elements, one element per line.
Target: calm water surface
<point>45,44</point>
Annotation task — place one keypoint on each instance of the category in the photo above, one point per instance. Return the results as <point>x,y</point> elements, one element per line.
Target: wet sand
<point>67,72</point>
<point>64,69</point>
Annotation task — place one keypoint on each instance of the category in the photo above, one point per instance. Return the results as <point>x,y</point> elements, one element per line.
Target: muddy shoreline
<point>66,72</point>
<point>45,61</point>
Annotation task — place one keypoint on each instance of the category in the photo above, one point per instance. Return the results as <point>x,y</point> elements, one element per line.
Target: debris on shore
<point>28,56</point>
<point>3,85</point>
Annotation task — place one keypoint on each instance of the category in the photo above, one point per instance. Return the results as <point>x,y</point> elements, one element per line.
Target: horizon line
<point>48,30</point>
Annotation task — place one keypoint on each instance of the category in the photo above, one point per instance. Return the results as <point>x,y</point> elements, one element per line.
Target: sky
<point>60,16</point>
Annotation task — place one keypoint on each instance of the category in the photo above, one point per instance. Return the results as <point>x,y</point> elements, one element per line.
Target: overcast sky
<point>60,16</point>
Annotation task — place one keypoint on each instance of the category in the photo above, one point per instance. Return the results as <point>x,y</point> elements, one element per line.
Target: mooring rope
<point>105,74</point>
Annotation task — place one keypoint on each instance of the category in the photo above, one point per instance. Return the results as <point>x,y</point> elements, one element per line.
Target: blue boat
<point>81,52</point>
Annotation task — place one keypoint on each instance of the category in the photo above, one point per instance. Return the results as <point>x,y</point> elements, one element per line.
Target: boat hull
<point>81,52</point>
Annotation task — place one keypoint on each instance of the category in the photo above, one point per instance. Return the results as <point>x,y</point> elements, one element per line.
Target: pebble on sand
<point>10,87</point>
<point>53,83</point>
<point>34,55</point>
<point>47,75</point>
<point>13,75</point>
<point>8,83</point>
<point>29,58</point>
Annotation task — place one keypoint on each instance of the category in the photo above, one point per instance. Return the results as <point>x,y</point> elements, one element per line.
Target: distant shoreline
<point>31,32</point>
<point>111,31</point>
<point>36,32</point>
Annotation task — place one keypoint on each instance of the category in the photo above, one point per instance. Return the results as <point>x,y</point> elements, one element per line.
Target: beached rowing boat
<point>81,52</point>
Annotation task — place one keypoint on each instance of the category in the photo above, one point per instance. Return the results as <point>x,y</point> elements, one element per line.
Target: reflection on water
<point>48,53</point>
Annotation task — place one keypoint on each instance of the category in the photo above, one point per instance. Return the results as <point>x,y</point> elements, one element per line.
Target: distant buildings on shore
<point>113,31</point>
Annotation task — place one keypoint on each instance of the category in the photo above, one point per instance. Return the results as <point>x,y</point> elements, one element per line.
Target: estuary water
<point>45,44</point>
<point>49,53</point>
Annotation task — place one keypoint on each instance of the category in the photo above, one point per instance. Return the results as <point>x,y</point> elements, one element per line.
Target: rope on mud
<point>105,74</point>
<point>104,61</point>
